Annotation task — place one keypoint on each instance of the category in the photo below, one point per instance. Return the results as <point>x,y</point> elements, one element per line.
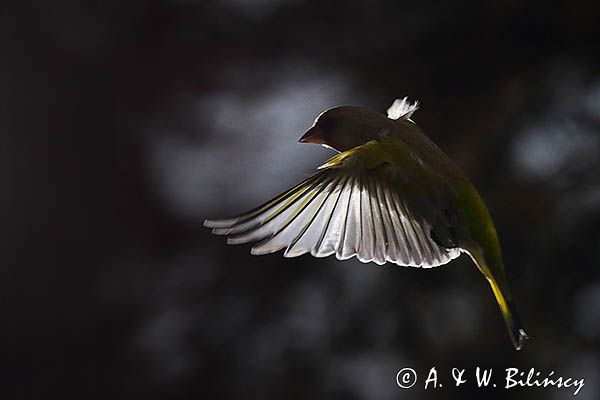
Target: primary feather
<point>353,207</point>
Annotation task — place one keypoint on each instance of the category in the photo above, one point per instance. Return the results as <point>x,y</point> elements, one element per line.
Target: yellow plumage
<point>390,195</point>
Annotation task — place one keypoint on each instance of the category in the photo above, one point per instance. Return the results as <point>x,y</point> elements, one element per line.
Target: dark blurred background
<point>125,124</point>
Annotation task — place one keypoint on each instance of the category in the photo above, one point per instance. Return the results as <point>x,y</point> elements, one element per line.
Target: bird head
<point>345,127</point>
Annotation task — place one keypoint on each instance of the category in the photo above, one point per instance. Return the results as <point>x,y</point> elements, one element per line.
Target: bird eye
<point>326,124</point>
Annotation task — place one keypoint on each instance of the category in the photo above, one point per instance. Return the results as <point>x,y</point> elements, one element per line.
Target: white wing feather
<point>334,212</point>
<point>402,108</point>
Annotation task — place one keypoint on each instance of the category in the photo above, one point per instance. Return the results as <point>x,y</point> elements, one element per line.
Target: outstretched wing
<point>353,207</point>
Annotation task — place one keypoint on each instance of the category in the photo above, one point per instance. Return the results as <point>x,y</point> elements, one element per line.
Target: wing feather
<point>330,212</point>
<point>380,247</point>
<point>351,208</point>
<point>267,222</point>
<point>401,238</point>
<point>349,242</point>
<point>392,252</point>
<point>231,222</point>
<point>312,230</point>
<point>334,233</point>
<point>414,252</point>
<point>367,245</point>
<point>294,224</point>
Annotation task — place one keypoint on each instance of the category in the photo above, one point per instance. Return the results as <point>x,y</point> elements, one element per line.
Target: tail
<point>496,279</point>
<point>510,315</point>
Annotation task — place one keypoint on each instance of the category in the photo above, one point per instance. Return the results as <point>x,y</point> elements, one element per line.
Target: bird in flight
<point>389,195</point>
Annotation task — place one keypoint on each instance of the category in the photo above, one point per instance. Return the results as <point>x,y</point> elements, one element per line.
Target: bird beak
<point>313,135</point>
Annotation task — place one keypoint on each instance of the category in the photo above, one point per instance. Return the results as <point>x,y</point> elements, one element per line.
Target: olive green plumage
<point>390,195</point>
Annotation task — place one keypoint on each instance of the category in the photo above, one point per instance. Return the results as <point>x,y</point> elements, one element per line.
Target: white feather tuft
<point>402,108</point>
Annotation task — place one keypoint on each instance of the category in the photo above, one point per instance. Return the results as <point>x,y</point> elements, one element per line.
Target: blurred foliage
<point>126,124</point>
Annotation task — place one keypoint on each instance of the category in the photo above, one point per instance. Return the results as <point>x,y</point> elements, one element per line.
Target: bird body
<point>390,195</point>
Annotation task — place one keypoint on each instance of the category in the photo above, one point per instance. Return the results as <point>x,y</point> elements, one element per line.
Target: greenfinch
<point>389,195</point>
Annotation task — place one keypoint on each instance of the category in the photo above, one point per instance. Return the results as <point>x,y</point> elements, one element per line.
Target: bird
<point>388,195</point>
